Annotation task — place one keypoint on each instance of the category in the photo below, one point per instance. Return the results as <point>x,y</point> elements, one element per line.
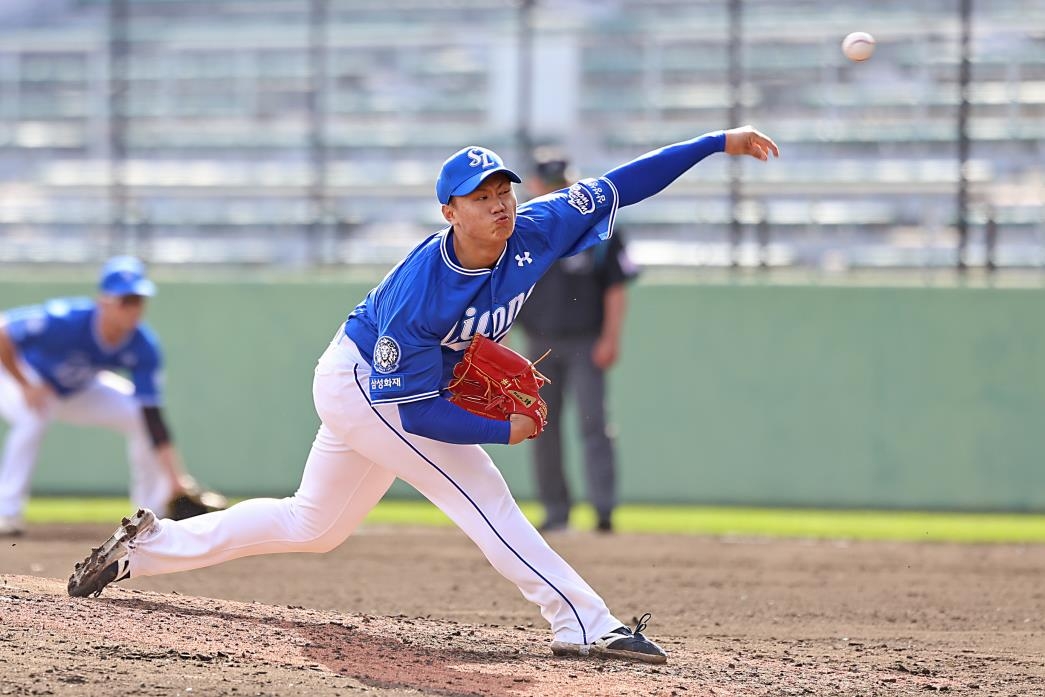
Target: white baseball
<point>858,46</point>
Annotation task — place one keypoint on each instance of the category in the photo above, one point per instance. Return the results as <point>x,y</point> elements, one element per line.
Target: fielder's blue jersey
<point>59,340</point>
<point>414,326</point>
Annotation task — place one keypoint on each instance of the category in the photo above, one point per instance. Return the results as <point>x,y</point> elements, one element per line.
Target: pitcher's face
<point>487,214</point>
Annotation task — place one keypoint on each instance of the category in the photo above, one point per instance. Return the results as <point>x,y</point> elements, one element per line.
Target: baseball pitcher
<point>415,380</point>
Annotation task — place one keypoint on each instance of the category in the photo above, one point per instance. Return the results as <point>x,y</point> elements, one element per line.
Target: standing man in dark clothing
<point>577,310</point>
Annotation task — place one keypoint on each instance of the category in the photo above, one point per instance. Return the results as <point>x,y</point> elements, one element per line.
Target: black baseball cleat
<point>622,642</point>
<point>109,563</point>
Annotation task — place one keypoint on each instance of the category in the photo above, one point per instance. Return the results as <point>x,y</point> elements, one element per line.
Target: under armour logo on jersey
<point>480,158</point>
<point>524,257</point>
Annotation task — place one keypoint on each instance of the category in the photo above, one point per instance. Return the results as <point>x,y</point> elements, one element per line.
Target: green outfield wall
<point>726,394</point>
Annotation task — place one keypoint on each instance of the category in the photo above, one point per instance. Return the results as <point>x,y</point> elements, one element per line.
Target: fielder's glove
<point>493,381</point>
<point>194,502</point>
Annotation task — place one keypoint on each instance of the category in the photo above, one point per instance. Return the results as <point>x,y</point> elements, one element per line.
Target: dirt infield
<point>398,611</point>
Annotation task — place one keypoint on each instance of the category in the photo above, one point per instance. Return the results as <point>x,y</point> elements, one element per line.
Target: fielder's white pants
<point>358,452</point>
<point>107,402</point>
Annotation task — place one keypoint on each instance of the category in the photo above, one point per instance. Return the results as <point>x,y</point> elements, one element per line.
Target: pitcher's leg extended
<point>338,488</point>
<point>464,483</point>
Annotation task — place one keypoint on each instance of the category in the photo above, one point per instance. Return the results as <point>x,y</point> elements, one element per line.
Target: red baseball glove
<point>493,381</point>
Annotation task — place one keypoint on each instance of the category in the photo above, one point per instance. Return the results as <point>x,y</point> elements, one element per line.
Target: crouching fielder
<point>381,392</point>
<point>59,361</point>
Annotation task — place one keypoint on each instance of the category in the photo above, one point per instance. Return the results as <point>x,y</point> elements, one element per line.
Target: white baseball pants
<point>107,402</point>
<point>358,452</point>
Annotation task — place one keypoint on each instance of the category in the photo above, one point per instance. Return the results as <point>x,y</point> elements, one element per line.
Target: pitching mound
<point>749,618</point>
<point>138,642</point>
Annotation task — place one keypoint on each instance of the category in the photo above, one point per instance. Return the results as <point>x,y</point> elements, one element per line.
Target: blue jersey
<point>59,340</point>
<point>414,326</point>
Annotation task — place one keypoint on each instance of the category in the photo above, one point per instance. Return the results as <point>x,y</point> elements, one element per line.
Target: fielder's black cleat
<point>622,642</point>
<point>108,563</point>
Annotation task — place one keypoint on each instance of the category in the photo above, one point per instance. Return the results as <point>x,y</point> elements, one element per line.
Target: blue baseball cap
<point>466,169</point>
<point>125,276</point>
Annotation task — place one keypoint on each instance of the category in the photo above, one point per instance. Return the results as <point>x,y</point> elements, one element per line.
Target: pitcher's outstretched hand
<point>745,140</point>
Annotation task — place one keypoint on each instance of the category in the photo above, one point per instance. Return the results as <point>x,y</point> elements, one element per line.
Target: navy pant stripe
<point>584,634</point>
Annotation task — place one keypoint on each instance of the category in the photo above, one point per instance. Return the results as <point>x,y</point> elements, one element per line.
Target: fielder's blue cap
<point>125,276</point>
<point>466,169</point>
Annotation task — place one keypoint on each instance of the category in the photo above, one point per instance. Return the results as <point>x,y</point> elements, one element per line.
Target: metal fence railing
<point>309,131</point>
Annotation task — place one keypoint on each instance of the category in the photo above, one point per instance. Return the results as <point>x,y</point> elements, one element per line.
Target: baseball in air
<point>858,46</point>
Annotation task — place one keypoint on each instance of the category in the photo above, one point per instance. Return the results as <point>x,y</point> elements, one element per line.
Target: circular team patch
<point>386,355</point>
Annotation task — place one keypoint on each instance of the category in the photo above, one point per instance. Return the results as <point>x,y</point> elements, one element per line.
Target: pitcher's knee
<point>312,530</point>
<point>323,544</point>
<point>315,543</point>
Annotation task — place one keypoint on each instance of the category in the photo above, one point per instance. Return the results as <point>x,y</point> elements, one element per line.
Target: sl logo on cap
<point>479,158</point>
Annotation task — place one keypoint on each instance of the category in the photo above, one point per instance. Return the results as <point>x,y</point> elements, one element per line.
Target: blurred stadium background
<point>297,141</point>
<point>308,132</point>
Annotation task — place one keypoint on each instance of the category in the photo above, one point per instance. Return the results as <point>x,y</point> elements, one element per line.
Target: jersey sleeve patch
<point>580,198</point>
<point>388,389</point>
<point>387,355</point>
<point>384,384</point>
<point>413,372</point>
<point>596,201</point>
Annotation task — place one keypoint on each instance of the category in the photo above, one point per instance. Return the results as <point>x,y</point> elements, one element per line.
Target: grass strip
<point>691,520</point>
